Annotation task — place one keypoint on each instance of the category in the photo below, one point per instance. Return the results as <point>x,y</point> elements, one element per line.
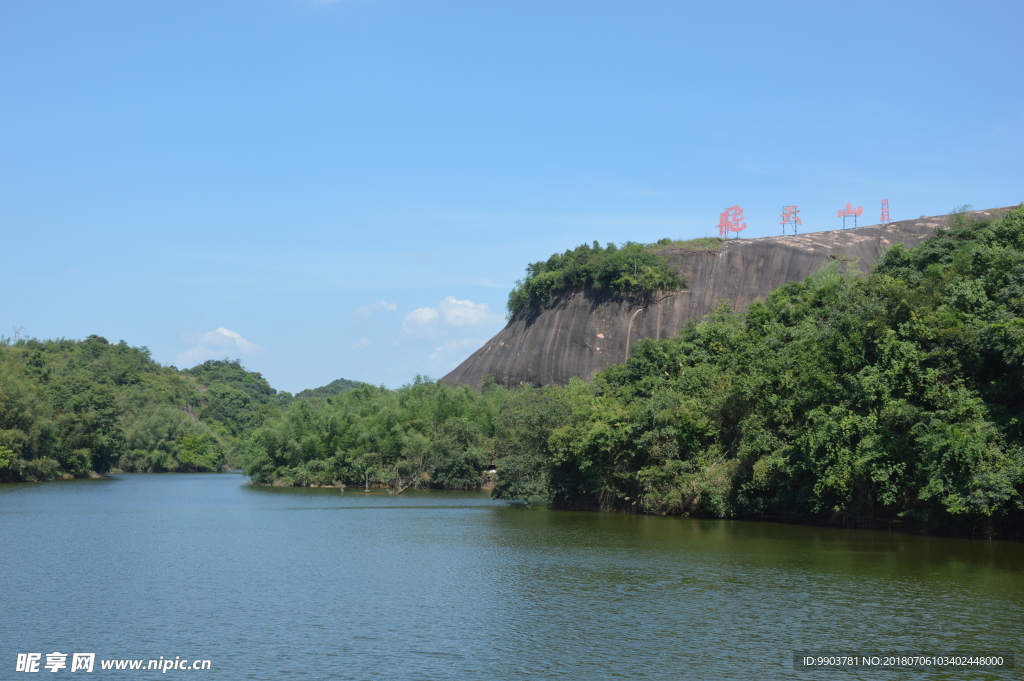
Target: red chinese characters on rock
<point>885,211</point>
<point>789,217</point>
<point>731,220</point>
<point>850,211</point>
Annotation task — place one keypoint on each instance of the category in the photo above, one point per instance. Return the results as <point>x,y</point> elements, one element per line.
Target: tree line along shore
<point>886,399</point>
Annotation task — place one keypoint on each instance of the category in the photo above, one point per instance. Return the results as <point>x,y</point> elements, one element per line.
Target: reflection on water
<point>278,583</point>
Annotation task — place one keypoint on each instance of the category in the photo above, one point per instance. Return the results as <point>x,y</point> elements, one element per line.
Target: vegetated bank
<point>892,399</point>
<point>423,434</point>
<point>428,433</point>
<point>79,408</point>
<point>887,399</point>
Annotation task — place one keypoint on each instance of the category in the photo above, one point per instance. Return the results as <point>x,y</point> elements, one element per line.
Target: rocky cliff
<point>579,333</point>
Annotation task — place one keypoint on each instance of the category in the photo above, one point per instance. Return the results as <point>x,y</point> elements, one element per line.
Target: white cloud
<point>217,345</point>
<point>366,311</point>
<point>464,312</point>
<point>450,312</point>
<point>361,344</point>
<point>233,338</point>
<point>420,322</point>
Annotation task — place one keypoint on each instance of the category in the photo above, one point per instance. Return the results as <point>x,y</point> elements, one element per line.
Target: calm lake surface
<point>274,583</point>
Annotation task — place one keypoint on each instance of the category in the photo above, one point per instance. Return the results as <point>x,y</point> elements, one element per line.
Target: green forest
<point>79,408</point>
<point>633,268</point>
<point>887,399</point>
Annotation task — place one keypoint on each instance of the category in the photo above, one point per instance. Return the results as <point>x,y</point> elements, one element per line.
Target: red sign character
<point>885,211</point>
<point>850,210</point>
<point>729,221</point>
<point>789,217</point>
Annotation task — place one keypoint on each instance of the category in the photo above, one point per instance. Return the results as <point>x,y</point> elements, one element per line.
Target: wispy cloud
<point>420,322</point>
<point>217,344</point>
<point>450,312</point>
<point>361,344</point>
<point>366,311</point>
<point>464,312</point>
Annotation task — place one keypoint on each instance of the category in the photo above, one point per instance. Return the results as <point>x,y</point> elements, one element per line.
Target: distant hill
<point>342,385</point>
<point>73,408</point>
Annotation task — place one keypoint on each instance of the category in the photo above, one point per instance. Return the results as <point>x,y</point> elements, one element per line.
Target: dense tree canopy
<point>633,268</point>
<point>892,398</point>
<point>333,388</point>
<point>424,433</point>
<point>895,397</point>
<point>72,408</point>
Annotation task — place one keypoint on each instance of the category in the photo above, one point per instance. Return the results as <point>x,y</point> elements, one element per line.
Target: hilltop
<point>579,332</point>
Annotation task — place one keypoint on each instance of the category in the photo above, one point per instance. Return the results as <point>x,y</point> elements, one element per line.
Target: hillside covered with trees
<point>887,399</point>
<point>892,398</point>
<point>75,408</point>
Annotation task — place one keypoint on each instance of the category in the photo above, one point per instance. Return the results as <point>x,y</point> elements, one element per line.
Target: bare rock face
<point>580,333</point>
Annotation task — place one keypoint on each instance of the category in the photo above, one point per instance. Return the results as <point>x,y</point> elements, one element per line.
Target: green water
<point>271,583</point>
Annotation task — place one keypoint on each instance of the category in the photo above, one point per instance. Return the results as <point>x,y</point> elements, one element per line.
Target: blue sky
<point>350,189</point>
